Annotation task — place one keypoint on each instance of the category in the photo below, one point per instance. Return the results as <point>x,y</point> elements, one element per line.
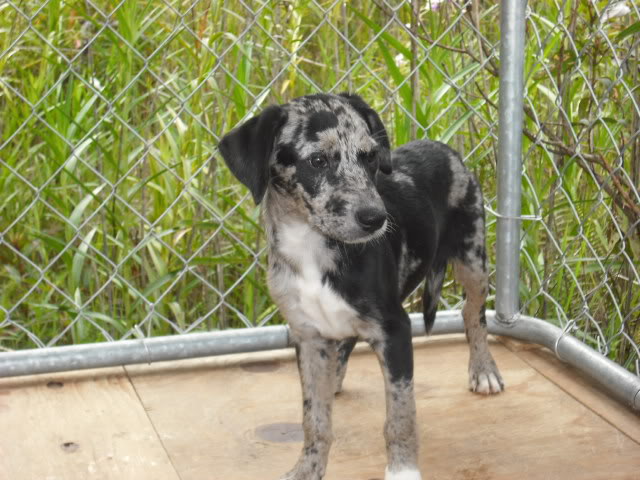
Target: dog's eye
<point>319,161</point>
<point>369,156</point>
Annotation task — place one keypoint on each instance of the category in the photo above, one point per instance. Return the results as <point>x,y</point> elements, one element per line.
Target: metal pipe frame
<point>614,379</point>
<point>512,34</point>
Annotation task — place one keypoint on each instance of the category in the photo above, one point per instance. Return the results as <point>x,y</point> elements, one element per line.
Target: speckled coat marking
<point>353,228</point>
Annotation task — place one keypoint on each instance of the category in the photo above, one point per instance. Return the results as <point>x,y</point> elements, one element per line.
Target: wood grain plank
<point>76,426</point>
<point>238,420</point>
<point>579,387</point>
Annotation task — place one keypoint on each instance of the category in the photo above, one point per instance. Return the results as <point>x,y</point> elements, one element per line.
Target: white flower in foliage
<point>95,83</point>
<point>401,60</point>
<point>618,9</point>
<point>434,4</point>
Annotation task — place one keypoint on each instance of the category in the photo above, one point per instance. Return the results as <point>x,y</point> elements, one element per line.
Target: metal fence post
<point>510,158</point>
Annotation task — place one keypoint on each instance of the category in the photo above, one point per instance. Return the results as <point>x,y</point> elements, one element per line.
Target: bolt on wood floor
<point>237,418</point>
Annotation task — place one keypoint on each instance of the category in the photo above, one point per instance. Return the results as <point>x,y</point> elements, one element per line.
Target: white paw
<point>485,381</point>
<point>292,476</point>
<point>402,474</point>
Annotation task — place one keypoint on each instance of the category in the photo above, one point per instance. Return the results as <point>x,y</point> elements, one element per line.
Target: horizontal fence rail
<point>619,382</point>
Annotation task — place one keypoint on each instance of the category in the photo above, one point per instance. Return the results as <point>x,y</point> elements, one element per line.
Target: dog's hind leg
<point>345,347</point>
<point>395,354</point>
<point>484,376</point>
<point>317,358</point>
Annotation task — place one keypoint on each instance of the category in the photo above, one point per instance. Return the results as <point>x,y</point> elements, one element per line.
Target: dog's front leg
<point>395,353</point>
<point>317,366</point>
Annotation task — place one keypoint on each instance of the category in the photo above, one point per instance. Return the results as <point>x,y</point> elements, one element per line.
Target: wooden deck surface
<point>237,418</point>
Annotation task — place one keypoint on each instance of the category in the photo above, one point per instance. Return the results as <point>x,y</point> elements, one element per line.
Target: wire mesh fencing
<point>119,220</point>
<point>581,173</point>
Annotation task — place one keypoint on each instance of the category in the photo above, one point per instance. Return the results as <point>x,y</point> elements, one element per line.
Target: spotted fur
<point>352,229</point>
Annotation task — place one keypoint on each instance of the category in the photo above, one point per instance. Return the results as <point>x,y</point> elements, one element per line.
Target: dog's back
<point>435,205</point>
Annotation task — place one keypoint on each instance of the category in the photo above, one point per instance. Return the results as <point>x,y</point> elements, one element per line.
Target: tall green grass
<point>115,210</point>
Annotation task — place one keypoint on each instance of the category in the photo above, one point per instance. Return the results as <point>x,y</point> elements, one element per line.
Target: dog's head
<point>322,153</point>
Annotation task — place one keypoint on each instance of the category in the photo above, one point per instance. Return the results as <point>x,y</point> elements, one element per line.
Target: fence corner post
<point>512,22</point>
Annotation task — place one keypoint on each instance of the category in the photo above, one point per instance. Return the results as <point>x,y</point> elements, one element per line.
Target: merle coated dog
<point>353,228</point>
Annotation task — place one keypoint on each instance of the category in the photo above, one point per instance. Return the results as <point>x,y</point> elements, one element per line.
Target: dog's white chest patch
<point>306,302</point>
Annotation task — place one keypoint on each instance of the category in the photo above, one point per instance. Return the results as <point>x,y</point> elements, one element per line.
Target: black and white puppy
<point>352,229</point>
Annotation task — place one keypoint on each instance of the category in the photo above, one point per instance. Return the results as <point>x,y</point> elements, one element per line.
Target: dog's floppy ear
<point>247,149</point>
<point>376,128</point>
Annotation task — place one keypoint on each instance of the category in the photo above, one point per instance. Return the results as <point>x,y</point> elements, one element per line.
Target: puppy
<point>353,228</point>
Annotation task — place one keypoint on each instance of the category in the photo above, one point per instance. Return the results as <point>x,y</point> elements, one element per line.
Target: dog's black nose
<point>370,219</point>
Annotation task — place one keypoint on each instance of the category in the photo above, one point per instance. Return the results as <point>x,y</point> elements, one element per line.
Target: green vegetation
<point>115,210</point>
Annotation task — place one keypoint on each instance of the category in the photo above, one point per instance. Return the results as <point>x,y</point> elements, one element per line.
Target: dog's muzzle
<point>370,219</point>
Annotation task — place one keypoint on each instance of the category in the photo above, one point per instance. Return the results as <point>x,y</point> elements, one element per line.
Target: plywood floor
<point>236,418</point>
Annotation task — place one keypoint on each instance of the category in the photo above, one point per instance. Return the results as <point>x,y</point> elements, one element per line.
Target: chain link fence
<point>582,171</point>
<point>118,220</point>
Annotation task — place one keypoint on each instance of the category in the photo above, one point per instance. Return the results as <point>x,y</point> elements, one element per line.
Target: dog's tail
<point>431,295</point>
